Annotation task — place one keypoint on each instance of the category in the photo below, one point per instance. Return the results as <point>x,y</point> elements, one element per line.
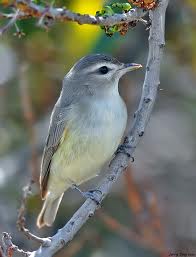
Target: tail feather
<point>49,211</point>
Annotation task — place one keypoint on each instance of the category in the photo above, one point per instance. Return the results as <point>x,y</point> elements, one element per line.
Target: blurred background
<point>151,211</point>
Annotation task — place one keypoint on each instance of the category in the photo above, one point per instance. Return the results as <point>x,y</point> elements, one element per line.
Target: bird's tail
<point>49,211</point>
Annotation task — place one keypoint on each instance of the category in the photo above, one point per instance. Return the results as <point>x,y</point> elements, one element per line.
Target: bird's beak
<point>126,67</point>
<point>130,67</point>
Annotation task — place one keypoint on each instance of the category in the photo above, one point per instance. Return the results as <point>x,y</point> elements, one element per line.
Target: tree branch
<point>121,160</point>
<point>9,248</point>
<point>46,15</point>
<point>21,218</point>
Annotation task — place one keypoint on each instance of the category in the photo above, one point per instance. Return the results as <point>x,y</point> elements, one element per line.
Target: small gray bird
<point>86,127</point>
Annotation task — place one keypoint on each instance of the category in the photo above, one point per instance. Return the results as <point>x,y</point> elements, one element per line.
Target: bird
<point>86,127</point>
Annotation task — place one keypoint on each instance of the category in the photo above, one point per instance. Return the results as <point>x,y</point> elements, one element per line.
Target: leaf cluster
<point>112,9</point>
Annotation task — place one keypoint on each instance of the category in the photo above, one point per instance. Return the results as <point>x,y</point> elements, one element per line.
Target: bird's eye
<point>103,70</point>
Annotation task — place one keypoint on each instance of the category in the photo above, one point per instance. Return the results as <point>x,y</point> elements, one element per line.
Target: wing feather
<point>56,129</point>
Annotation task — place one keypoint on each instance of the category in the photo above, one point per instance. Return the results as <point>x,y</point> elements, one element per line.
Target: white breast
<point>103,123</point>
<point>95,127</point>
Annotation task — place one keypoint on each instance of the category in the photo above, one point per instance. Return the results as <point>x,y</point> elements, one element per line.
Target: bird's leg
<point>93,194</point>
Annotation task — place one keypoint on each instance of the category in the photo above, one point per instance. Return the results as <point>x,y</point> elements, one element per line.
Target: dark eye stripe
<point>103,70</point>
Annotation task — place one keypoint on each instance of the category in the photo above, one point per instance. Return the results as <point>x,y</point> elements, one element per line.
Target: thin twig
<point>42,241</point>
<point>128,234</point>
<point>145,210</point>
<point>10,23</point>
<point>22,210</point>
<point>29,118</point>
<point>9,248</point>
<point>132,193</point>
<point>135,201</point>
<point>21,218</point>
<point>31,9</point>
<point>155,221</point>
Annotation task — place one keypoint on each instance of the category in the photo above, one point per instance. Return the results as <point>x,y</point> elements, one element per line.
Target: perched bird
<point>86,127</point>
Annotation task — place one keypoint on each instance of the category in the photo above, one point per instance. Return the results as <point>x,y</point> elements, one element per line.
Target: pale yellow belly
<point>88,143</point>
<point>77,161</point>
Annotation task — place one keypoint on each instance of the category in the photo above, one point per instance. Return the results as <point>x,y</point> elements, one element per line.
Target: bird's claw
<point>125,149</point>
<point>93,194</point>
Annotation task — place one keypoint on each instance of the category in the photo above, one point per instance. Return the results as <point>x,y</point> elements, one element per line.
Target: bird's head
<point>99,72</point>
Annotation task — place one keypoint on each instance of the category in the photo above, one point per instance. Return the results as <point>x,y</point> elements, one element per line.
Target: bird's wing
<point>56,128</point>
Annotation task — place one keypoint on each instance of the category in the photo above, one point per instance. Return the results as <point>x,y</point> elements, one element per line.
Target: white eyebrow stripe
<point>96,66</point>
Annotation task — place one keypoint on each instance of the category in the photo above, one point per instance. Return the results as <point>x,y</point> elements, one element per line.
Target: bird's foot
<point>125,149</point>
<point>93,194</point>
